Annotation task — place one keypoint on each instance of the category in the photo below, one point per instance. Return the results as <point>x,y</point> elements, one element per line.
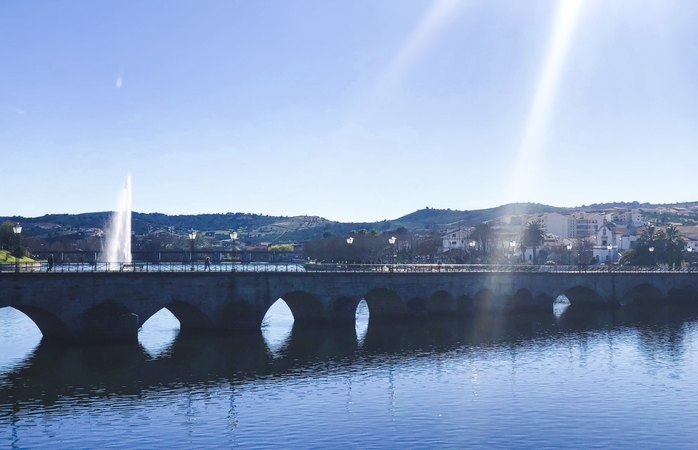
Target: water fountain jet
<point>118,245</point>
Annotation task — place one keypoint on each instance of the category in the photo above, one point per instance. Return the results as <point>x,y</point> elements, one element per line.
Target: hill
<point>254,228</point>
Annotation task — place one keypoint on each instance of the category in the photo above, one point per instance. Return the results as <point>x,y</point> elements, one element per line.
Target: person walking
<point>207,264</point>
<point>50,263</point>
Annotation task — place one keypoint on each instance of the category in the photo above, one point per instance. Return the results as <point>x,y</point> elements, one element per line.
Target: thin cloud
<point>119,81</point>
<point>19,111</point>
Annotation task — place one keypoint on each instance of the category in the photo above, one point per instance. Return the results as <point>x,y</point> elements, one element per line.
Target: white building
<point>606,244</point>
<point>626,216</point>
<point>587,225</point>
<point>559,224</point>
<point>455,239</point>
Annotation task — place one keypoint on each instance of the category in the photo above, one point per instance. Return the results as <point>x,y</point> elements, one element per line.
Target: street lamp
<point>17,229</point>
<point>651,249</point>
<point>392,243</point>
<point>350,240</point>
<point>192,237</point>
<point>233,236</point>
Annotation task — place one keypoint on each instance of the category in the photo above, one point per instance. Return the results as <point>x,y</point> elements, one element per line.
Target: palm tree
<point>534,236</point>
<point>673,246</point>
<point>483,235</point>
<point>647,249</point>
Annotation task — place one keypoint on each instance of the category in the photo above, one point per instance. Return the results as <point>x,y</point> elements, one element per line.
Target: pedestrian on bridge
<point>207,264</point>
<point>50,263</point>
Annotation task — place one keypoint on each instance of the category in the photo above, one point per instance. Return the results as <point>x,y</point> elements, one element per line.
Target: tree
<point>534,236</point>
<point>7,235</point>
<point>648,249</point>
<point>674,246</point>
<point>482,234</point>
<point>10,241</point>
<point>585,248</point>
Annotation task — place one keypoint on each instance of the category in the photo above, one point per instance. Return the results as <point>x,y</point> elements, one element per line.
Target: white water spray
<point>118,245</point>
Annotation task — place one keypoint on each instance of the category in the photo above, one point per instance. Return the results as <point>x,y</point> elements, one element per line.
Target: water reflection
<point>560,305</point>
<point>158,333</point>
<point>508,375</point>
<point>54,371</point>
<point>276,328</point>
<point>361,324</point>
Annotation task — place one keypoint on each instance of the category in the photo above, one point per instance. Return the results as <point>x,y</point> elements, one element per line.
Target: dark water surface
<point>624,379</point>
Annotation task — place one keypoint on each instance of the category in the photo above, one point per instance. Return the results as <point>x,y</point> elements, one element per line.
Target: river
<point>578,379</point>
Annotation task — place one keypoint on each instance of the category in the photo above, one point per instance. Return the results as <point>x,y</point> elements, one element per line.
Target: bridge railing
<point>492,268</point>
<point>136,266</point>
<point>152,267</point>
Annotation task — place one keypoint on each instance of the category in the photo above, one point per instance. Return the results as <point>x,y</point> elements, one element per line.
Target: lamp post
<point>17,229</point>
<point>192,237</point>
<point>610,257</point>
<point>569,249</point>
<point>233,236</point>
<point>350,240</point>
<point>391,241</point>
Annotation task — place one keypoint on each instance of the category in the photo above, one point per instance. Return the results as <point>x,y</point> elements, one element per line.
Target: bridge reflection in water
<point>54,372</point>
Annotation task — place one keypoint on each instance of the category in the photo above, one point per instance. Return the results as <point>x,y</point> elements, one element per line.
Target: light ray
<point>435,19</point>
<point>533,141</point>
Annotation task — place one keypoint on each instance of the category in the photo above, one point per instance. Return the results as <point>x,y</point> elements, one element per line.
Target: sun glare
<point>533,141</point>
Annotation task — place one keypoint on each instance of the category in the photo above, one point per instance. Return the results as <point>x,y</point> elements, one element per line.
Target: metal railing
<point>493,268</point>
<point>261,267</point>
<point>151,267</point>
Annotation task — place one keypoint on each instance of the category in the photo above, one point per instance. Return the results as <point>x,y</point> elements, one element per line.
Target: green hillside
<point>6,258</point>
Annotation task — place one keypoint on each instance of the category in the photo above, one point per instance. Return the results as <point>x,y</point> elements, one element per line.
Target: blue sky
<point>352,110</point>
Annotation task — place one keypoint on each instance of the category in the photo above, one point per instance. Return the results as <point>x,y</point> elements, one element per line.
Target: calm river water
<point>582,380</point>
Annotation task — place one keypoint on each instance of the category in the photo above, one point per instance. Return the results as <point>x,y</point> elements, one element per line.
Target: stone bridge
<point>113,306</point>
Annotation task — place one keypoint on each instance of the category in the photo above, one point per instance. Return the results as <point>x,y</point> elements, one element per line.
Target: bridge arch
<point>48,324</point>
<point>582,295</point>
<point>441,303</point>
<point>643,294</point>
<point>417,306</point>
<point>484,299</point>
<point>189,316</point>
<point>684,295</point>
<point>384,303</point>
<point>305,307</point>
<point>21,318</point>
<point>465,305</point>
<point>522,300</point>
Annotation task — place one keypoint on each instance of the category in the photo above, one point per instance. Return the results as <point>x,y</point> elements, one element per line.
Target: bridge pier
<point>108,321</point>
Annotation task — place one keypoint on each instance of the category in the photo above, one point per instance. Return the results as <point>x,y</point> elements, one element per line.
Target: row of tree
<point>656,246</point>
